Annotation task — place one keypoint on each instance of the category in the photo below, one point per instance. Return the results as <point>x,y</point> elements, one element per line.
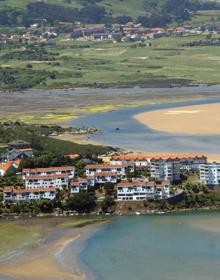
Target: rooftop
<point>48,169</point>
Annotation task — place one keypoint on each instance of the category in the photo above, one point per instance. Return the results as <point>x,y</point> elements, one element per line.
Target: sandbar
<point>192,120</point>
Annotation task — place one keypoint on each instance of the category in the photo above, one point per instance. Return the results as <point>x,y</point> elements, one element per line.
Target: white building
<point>79,185</point>
<point>119,169</point>
<point>13,195</point>
<point>103,177</point>
<point>56,181</point>
<point>143,190</point>
<point>165,170</point>
<point>210,174</point>
<point>67,170</point>
<point>189,161</point>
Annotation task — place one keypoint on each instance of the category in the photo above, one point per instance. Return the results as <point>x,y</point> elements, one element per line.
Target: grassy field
<point>96,64</point>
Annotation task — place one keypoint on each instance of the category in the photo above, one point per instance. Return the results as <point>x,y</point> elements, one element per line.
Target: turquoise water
<point>167,247</point>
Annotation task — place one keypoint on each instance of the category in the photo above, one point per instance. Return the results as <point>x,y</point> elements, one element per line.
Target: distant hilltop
<point>150,13</point>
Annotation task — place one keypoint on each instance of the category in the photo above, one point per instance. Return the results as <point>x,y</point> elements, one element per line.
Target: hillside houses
<point>188,161</point>
<point>80,184</point>
<point>66,170</point>
<point>210,174</point>
<point>91,169</point>
<point>28,195</point>
<point>143,190</point>
<point>8,166</point>
<point>125,173</point>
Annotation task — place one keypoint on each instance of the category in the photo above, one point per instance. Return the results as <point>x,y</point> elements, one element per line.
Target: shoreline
<point>190,85</point>
<point>58,259</point>
<point>61,258</point>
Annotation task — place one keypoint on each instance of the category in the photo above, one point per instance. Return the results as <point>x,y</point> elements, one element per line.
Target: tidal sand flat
<point>47,259</point>
<point>194,120</point>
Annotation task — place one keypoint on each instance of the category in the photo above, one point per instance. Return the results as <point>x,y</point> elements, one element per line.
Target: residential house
<point>78,185</point>
<point>58,181</point>
<point>210,174</point>
<point>13,195</point>
<point>91,169</point>
<point>16,154</point>
<point>99,178</point>
<point>61,170</point>
<point>8,165</point>
<point>143,190</point>
<point>189,161</point>
<point>161,170</point>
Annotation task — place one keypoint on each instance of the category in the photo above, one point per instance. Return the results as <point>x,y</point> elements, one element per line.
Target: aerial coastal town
<point>131,176</point>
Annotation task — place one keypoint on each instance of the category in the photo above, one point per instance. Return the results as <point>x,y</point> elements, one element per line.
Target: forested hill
<point>148,12</point>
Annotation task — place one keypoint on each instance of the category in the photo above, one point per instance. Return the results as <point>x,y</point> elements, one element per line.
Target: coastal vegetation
<point>71,64</point>
<point>44,146</point>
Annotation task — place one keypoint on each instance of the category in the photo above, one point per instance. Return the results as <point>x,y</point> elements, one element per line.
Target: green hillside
<point>148,12</point>
<point>116,7</point>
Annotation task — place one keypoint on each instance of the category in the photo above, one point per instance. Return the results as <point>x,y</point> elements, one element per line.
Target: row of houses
<point>134,32</point>
<point>44,183</point>
<point>143,190</point>
<point>27,37</point>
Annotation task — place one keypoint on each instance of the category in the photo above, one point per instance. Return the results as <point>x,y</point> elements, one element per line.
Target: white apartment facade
<point>78,185</point>
<point>92,169</point>
<point>104,177</point>
<point>45,181</point>
<point>161,170</point>
<point>189,161</point>
<point>210,174</point>
<point>143,190</point>
<point>12,195</point>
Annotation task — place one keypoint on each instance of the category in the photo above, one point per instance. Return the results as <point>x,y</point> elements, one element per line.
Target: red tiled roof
<point>105,174</point>
<point>96,166</point>
<point>52,176</point>
<point>6,165</point>
<point>162,156</point>
<point>77,182</point>
<point>48,169</point>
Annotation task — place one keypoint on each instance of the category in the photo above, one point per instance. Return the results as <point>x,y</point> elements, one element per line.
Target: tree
<point>82,202</point>
<point>107,203</point>
<point>109,188</point>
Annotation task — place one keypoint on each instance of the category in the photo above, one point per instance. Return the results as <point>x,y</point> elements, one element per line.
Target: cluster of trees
<point>158,13</point>
<point>202,43</point>
<point>31,53</point>
<point>11,79</point>
<point>38,137</point>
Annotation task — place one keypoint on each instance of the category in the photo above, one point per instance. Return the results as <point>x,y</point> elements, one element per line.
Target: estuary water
<point>163,247</point>
<point>133,135</point>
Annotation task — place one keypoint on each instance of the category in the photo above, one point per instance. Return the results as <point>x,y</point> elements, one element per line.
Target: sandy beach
<point>79,139</point>
<point>193,120</point>
<point>45,260</point>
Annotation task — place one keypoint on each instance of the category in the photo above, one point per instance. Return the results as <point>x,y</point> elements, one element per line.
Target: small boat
<point>160,212</point>
<point>117,128</point>
<point>137,213</point>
